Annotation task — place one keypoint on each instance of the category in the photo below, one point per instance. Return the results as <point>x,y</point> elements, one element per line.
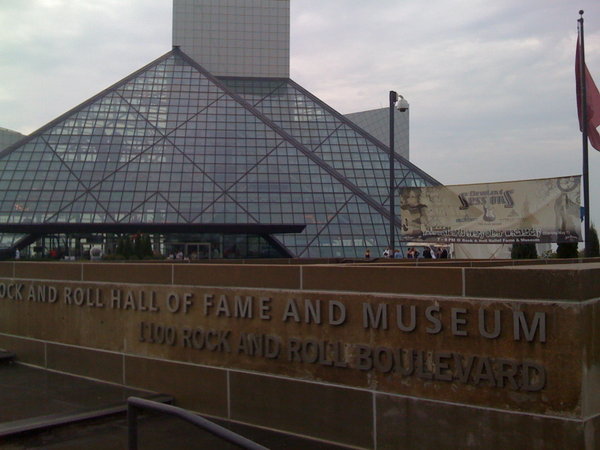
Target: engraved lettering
<point>413,318</point>
<point>243,308</point>
<point>291,311</point>
<point>457,321</point>
<point>375,320</point>
<point>435,321</point>
<point>337,313</point>
<point>520,323</point>
<point>482,328</point>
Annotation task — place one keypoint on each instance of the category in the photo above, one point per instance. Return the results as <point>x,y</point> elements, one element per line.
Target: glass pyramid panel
<point>155,209</point>
<point>169,144</point>
<point>287,187</point>
<point>331,137</point>
<point>343,236</point>
<point>304,119</point>
<point>170,93</point>
<point>226,210</point>
<point>35,183</point>
<point>84,209</point>
<point>231,138</point>
<point>253,90</point>
<point>100,138</point>
<point>167,130</point>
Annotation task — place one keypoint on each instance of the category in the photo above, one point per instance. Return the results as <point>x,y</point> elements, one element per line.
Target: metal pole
<point>135,404</point>
<point>393,100</point>
<point>132,432</point>
<point>584,117</point>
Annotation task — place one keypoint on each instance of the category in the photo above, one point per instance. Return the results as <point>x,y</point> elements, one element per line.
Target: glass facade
<point>213,245</point>
<point>377,122</point>
<point>172,144</point>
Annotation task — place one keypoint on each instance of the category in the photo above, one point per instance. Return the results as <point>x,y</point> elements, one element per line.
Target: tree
<point>567,250</point>
<point>523,250</point>
<point>145,246</point>
<point>120,250</point>
<point>127,247</point>
<point>138,245</point>
<point>594,245</point>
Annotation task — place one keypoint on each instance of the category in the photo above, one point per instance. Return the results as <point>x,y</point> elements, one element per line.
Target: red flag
<point>592,100</point>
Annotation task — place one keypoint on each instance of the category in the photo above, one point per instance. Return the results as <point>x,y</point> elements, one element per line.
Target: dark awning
<point>226,228</point>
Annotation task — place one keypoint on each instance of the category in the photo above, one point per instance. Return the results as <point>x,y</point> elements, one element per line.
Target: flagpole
<point>584,113</point>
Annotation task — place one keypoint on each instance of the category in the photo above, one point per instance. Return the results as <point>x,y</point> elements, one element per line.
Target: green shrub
<point>594,249</point>
<point>525,250</point>
<point>567,250</point>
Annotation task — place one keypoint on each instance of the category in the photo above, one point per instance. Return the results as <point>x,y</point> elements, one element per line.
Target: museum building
<point>212,149</point>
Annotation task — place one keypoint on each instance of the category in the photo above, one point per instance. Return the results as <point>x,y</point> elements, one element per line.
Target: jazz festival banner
<point>543,210</point>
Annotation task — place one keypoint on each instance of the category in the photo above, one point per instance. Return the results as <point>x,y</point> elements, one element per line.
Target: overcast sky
<point>490,83</point>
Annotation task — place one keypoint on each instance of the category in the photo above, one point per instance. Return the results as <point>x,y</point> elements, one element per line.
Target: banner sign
<point>544,210</point>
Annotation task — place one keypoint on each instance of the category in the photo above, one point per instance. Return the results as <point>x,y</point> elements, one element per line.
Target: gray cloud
<point>491,84</point>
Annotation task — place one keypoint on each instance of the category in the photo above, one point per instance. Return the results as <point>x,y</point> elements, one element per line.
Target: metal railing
<point>135,404</point>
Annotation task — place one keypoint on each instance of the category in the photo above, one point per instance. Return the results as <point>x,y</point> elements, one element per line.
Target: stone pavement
<point>32,398</point>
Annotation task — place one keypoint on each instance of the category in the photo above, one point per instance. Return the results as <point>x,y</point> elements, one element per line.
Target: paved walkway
<point>30,397</point>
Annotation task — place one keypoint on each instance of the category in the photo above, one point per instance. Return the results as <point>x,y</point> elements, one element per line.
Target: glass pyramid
<point>173,144</point>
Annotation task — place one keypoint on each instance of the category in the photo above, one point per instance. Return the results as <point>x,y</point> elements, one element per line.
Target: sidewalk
<point>31,397</point>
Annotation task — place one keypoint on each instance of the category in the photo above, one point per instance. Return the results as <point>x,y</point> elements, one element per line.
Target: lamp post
<point>396,101</point>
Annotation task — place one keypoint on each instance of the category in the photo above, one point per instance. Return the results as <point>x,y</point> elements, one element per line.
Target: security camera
<point>402,104</point>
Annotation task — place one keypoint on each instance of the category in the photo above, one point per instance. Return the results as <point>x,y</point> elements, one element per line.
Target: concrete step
<point>6,356</point>
<point>60,419</point>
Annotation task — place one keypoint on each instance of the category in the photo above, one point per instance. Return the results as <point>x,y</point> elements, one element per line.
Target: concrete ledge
<point>560,282</point>
<point>48,270</point>
<point>408,280</point>
<point>129,273</point>
<point>525,280</point>
<point>256,276</point>
<point>6,269</point>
